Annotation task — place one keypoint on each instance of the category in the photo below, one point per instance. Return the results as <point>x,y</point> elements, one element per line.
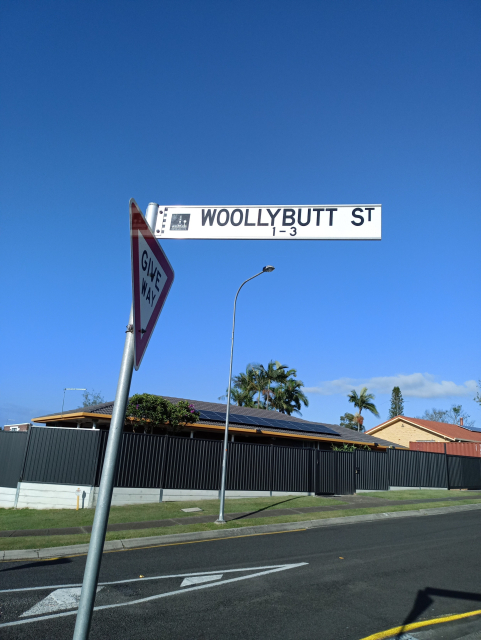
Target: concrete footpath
<point>179,538</point>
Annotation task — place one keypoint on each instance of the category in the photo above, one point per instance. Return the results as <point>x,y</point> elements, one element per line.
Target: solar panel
<point>268,422</point>
<point>212,415</point>
<point>314,428</point>
<point>262,422</point>
<point>242,419</point>
<point>271,423</point>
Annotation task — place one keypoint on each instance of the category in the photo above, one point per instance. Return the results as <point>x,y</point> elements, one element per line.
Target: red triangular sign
<point>152,277</point>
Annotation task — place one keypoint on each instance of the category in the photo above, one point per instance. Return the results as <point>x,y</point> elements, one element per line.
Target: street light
<point>69,389</point>
<point>220,519</point>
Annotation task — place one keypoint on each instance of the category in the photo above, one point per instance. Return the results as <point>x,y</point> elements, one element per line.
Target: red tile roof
<point>451,431</point>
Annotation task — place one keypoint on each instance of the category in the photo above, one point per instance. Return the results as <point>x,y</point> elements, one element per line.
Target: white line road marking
<point>177,575</point>
<point>261,571</point>
<point>187,582</point>
<point>57,601</point>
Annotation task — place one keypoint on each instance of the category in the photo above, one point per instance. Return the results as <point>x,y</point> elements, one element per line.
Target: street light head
<point>268,269</point>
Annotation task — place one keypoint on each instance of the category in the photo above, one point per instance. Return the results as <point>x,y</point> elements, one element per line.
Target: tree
<point>275,374</point>
<point>287,398</point>
<point>240,397</point>
<point>363,400</point>
<point>450,416</point>
<point>242,389</point>
<point>91,397</point>
<point>397,403</point>
<point>349,421</point>
<point>146,411</point>
<point>477,398</point>
<point>273,387</point>
<point>259,380</point>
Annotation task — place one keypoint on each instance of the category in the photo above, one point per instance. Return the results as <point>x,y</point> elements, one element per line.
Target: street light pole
<point>221,519</point>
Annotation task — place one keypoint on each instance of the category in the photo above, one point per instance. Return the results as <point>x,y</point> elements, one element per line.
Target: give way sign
<point>152,277</point>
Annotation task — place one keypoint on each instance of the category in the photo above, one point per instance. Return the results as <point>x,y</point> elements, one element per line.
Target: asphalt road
<point>391,572</point>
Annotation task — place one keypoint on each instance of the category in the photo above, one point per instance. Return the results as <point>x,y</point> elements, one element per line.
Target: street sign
<point>279,222</point>
<point>152,277</point>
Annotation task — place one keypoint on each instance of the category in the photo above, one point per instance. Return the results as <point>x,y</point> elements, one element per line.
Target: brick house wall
<point>17,427</point>
<point>402,433</point>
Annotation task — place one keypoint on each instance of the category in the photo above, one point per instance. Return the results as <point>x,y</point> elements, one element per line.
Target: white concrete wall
<point>35,495</point>
<point>414,488</point>
<point>138,495</point>
<point>134,495</point>
<point>174,495</point>
<point>7,497</point>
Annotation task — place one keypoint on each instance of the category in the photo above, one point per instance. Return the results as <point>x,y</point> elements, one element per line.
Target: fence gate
<point>372,470</point>
<point>345,472</point>
<point>335,472</point>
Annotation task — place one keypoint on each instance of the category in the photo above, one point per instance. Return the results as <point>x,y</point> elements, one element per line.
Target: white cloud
<point>414,385</point>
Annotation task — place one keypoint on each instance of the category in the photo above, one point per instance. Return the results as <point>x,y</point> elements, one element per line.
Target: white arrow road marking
<point>56,601</point>
<point>187,582</point>
<point>260,571</point>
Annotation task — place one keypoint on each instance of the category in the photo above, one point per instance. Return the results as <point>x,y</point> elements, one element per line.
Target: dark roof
<point>345,434</point>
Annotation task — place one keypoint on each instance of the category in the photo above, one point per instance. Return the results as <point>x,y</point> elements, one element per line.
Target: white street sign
<point>279,222</point>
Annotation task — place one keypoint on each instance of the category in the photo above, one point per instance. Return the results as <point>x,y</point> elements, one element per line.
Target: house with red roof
<point>402,430</point>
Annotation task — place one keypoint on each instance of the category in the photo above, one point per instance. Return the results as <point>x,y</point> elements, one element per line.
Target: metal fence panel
<point>464,473</point>
<point>470,449</point>
<point>373,470</point>
<point>61,456</point>
<point>432,470</point>
<point>249,467</point>
<point>12,451</point>
<point>346,480</point>
<point>192,464</point>
<point>292,469</point>
<point>403,468</point>
<point>140,461</point>
<point>326,472</point>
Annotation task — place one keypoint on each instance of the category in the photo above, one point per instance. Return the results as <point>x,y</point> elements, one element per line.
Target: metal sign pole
<point>99,528</point>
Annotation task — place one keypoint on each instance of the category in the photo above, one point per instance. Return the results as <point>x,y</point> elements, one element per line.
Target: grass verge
<point>37,542</point>
<point>11,519</point>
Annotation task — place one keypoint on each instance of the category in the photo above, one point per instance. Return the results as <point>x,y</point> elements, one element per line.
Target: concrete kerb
<point>176,538</point>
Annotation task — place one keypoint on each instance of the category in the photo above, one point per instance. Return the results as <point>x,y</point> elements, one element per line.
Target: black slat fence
<point>12,452</point>
<point>61,456</point>
<point>75,456</point>
<point>464,472</point>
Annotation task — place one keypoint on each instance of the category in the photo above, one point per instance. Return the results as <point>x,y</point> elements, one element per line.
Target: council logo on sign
<point>180,222</point>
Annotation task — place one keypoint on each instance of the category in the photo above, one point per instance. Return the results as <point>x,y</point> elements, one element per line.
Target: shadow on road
<point>31,565</point>
<point>424,601</point>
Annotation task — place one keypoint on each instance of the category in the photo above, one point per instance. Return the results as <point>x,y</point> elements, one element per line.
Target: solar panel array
<point>267,422</point>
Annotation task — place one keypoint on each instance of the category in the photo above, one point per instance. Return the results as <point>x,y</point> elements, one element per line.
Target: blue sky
<point>247,102</point>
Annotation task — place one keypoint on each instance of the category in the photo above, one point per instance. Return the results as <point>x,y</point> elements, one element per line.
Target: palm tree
<point>259,380</point>
<point>285,395</point>
<point>276,373</point>
<point>289,396</point>
<point>242,389</point>
<point>363,400</point>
